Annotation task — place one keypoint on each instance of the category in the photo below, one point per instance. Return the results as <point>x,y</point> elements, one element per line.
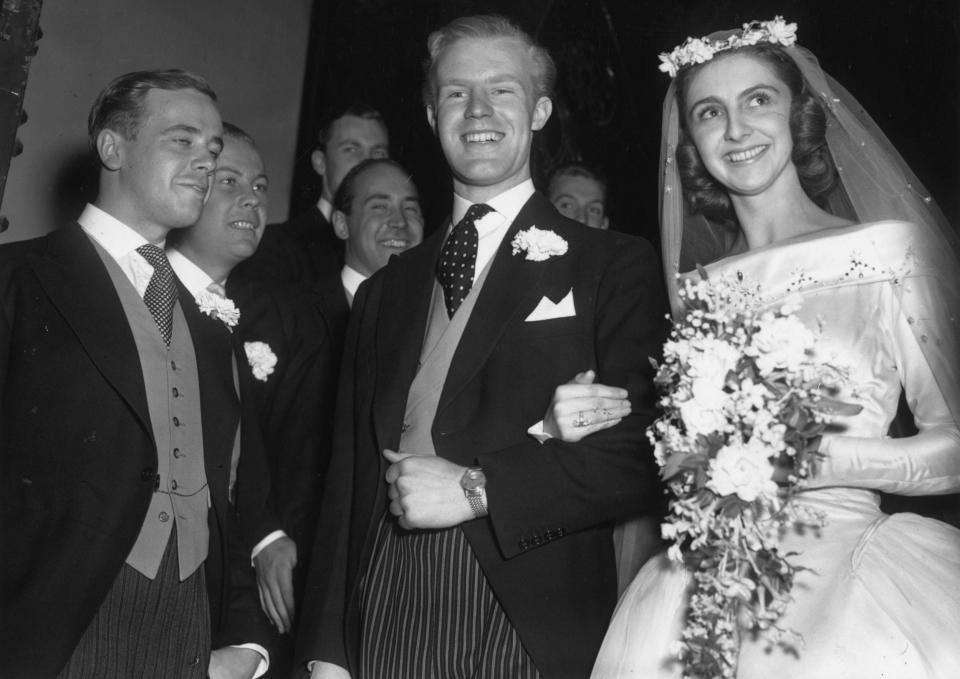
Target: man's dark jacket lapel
<point>94,311</point>
<point>407,293</point>
<point>513,286</point>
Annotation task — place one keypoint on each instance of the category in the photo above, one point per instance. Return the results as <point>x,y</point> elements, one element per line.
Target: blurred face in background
<point>352,139</point>
<point>580,198</point>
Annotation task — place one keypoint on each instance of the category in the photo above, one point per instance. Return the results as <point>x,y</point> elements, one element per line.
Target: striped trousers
<point>147,629</point>
<point>428,611</point>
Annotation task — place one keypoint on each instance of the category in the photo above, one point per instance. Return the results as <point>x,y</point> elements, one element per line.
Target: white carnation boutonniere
<point>219,307</point>
<point>261,359</point>
<point>539,244</point>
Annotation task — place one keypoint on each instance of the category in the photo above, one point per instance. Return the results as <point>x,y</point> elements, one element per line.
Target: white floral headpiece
<point>700,50</point>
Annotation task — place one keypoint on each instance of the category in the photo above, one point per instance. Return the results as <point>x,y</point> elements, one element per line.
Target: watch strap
<point>477,504</point>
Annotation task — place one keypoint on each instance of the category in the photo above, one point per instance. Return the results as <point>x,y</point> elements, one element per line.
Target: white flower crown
<point>700,50</point>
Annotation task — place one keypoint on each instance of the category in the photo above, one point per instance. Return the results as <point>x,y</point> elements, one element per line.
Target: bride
<point>772,172</point>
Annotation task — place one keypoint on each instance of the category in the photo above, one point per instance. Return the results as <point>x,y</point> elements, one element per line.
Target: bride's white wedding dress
<point>883,596</point>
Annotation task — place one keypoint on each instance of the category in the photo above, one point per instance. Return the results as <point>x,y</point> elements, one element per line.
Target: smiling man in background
<point>304,250</point>
<point>377,214</point>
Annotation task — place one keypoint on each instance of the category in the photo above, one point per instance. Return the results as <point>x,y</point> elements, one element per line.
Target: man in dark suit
<point>115,524</point>
<point>377,215</point>
<point>454,543</point>
<point>292,357</point>
<point>304,249</point>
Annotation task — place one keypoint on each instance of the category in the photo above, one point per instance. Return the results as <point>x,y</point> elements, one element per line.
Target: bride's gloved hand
<point>580,408</point>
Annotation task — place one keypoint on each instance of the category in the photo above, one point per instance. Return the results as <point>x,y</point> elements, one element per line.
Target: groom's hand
<point>425,492</point>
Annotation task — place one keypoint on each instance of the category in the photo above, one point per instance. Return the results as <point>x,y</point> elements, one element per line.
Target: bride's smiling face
<point>738,116</point>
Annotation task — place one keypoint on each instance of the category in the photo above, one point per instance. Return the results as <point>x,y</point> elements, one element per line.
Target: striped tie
<point>161,292</point>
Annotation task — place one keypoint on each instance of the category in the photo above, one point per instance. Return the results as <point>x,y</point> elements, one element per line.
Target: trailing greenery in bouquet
<point>745,399</point>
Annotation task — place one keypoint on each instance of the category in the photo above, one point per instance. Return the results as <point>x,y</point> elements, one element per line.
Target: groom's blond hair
<point>544,72</point>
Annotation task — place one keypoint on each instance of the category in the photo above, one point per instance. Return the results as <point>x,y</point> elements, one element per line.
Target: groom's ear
<point>542,109</point>
<point>432,117</point>
<point>110,149</point>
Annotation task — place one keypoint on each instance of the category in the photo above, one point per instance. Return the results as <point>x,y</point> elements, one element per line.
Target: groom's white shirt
<point>493,226</point>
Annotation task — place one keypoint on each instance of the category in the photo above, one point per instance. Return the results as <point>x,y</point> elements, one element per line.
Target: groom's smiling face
<point>485,112</point>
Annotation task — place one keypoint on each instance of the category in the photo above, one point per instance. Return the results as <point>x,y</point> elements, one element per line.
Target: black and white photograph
<point>475,339</point>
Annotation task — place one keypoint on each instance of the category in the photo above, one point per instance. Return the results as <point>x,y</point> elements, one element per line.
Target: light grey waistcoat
<point>172,384</point>
<point>441,340</point>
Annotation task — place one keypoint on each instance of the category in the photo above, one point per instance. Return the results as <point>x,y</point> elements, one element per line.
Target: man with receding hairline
<point>377,215</point>
<point>453,543</point>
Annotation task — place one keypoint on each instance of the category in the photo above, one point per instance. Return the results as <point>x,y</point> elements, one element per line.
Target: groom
<point>452,543</point>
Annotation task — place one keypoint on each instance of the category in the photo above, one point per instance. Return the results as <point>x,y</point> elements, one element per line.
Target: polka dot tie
<point>161,292</point>
<point>459,257</point>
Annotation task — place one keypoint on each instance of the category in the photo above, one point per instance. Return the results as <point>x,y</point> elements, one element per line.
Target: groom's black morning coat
<point>546,547</point>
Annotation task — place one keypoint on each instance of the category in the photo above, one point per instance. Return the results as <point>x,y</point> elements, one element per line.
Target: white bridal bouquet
<point>745,399</point>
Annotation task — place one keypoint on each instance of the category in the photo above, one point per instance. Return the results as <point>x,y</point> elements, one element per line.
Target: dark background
<point>898,57</point>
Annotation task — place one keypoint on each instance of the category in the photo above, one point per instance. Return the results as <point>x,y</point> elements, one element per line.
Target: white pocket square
<point>547,309</point>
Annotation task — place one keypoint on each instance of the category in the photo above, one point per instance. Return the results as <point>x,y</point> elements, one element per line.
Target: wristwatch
<point>474,484</point>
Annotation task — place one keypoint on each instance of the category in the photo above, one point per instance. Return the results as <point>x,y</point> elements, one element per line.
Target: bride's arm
<point>580,408</point>
<point>928,462</point>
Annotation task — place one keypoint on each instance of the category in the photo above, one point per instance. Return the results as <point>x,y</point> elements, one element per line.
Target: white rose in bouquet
<point>744,469</point>
<point>781,343</point>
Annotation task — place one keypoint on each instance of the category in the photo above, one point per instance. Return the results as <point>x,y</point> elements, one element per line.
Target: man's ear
<point>318,159</point>
<point>432,117</point>
<point>110,149</point>
<point>340,225</point>
<point>541,113</point>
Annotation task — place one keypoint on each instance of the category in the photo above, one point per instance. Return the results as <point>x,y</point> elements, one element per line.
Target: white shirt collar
<point>194,279</point>
<point>326,208</point>
<point>508,204</point>
<point>492,228</point>
<point>351,281</point>
<point>120,242</point>
<point>118,239</point>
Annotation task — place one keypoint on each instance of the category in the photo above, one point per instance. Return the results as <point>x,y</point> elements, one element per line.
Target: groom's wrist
<point>474,485</point>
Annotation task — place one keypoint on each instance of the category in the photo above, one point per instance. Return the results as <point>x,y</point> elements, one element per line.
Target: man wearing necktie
<point>117,416</point>
<point>290,397</point>
<point>456,544</point>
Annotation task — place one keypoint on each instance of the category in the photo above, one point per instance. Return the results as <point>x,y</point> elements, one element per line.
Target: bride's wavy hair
<point>808,127</point>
